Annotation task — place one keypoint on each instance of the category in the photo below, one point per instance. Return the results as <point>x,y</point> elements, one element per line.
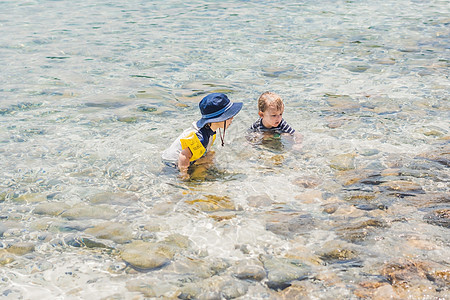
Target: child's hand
<point>184,176</point>
<point>297,147</point>
<point>298,140</point>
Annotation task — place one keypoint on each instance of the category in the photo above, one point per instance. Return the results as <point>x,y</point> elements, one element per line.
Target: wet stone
<point>31,198</point>
<point>335,123</point>
<point>141,286</point>
<point>51,208</point>
<point>193,267</point>
<point>213,203</point>
<point>162,209</point>
<point>402,187</point>
<point>310,196</point>
<point>330,208</point>
<point>439,217</point>
<point>116,232</point>
<point>301,223</point>
<point>288,224</point>
<point>359,231</point>
<point>441,155</point>
<point>178,240</point>
<point>342,102</point>
<point>350,177</point>
<point>152,289</point>
<point>335,251</point>
<point>3,228</point>
<point>147,256</point>
<point>3,196</point>
<point>343,162</point>
<point>430,200</point>
<point>375,290</point>
<point>21,248</point>
<point>371,206</point>
<point>369,152</point>
<point>360,198</point>
<point>84,242</point>
<point>262,200</point>
<point>304,254</point>
<point>407,273</point>
<point>281,272</point>
<point>5,257</point>
<point>251,269</point>
<point>216,287</point>
<point>387,109</point>
<point>114,198</point>
<point>69,226</point>
<point>81,212</point>
<point>357,68</point>
<point>307,182</point>
<point>223,216</point>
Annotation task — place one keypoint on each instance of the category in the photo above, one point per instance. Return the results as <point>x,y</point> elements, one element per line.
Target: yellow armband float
<point>194,145</point>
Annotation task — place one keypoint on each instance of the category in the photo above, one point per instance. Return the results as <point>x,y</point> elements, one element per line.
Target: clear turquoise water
<point>91,93</point>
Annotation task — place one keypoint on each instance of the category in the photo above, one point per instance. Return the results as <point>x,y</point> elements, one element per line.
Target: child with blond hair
<point>270,111</point>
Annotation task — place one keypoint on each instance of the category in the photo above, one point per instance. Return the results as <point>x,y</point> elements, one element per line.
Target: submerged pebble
<point>282,272</point>
<point>440,217</point>
<point>118,232</point>
<point>80,212</point>
<point>147,256</point>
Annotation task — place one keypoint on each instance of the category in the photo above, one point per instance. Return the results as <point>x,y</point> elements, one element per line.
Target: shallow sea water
<point>91,93</point>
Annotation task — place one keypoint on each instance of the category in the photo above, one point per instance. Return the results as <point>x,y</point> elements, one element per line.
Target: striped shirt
<point>283,127</point>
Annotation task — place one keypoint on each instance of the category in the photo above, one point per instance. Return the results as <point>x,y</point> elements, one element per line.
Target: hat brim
<point>229,113</point>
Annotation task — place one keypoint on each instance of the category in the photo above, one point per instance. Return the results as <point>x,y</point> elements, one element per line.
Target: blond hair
<point>269,99</point>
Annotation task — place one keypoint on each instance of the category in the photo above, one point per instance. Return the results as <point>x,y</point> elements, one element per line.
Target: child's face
<point>217,125</point>
<point>271,117</point>
<point>228,122</point>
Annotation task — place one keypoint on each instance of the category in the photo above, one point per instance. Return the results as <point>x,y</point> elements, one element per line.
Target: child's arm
<point>184,161</point>
<point>298,139</point>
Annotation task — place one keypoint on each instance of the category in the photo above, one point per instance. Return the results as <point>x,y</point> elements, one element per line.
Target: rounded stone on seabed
<point>192,267</point>
<point>178,240</point>
<point>114,198</point>
<point>21,248</point>
<point>441,155</point>
<point>348,211</point>
<point>309,197</point>
<point>439,217</point>
<point>216,287</point>
<point>262,200</point>
<point>337,251</point>
<point>31,198</point>
<point>250,269</point>
<point>152,289</point>
<point>144,255</point>
<point>213,203</point>
<point>343,162</point>
<point>5,257</point>
<point>50,208</point>
<point>117,232</point>
<point>384,292</point>
<point>161,209</point>
<point>81,212</point>
<point>402,186</point>
<point>281,272</point>
<point>307,182</point>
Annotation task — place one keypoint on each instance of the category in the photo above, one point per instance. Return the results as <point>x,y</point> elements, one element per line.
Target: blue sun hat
<point>216,107</point>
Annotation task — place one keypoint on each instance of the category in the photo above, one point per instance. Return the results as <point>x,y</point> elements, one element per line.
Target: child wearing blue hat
<point>217,113</point>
